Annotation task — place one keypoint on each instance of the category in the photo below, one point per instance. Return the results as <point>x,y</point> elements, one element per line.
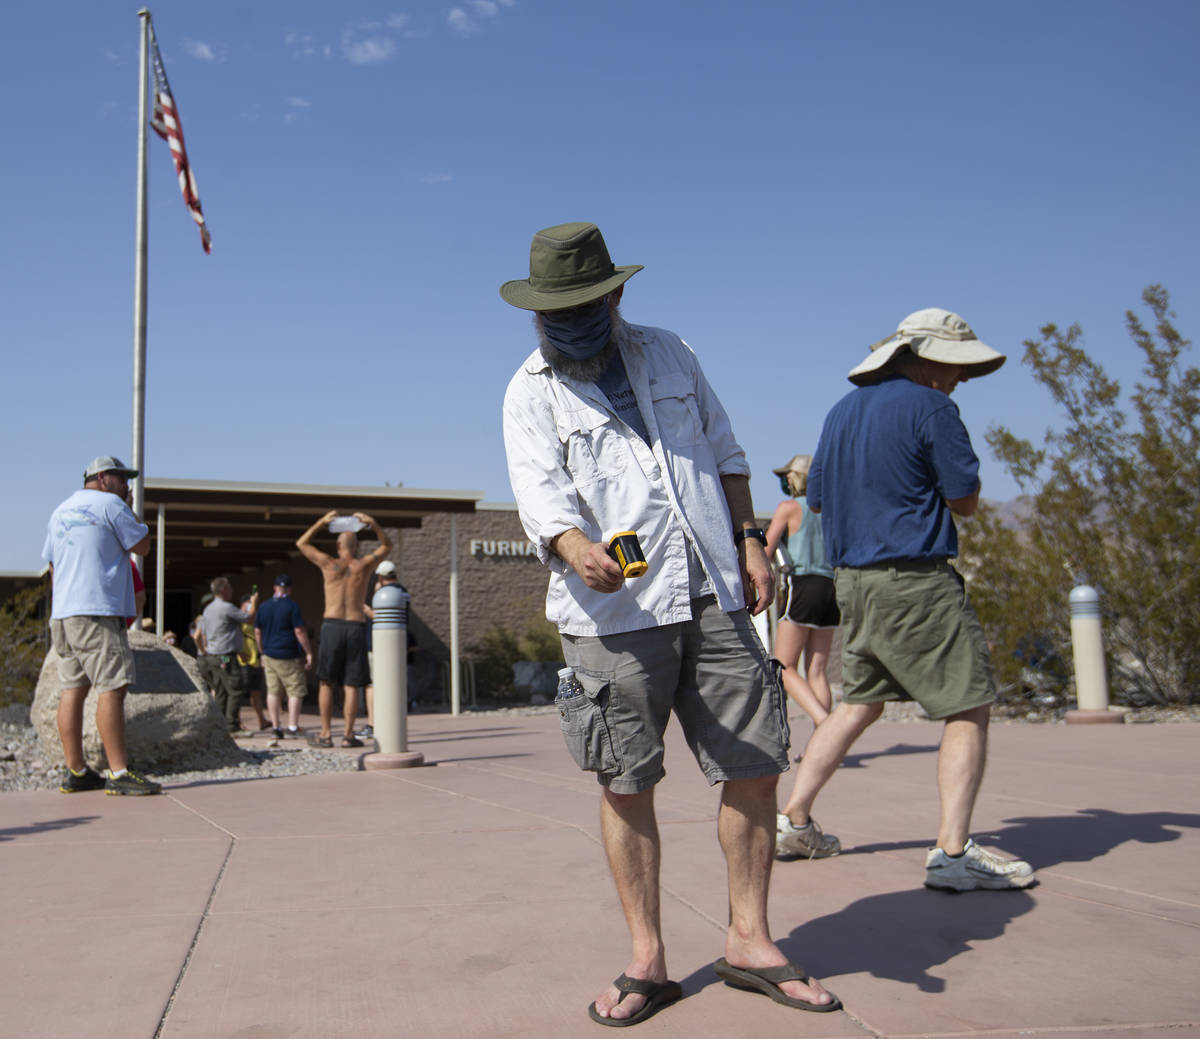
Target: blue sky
<point>795,177</point>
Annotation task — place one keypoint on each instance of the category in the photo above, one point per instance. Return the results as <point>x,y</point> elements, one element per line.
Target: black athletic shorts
<point>812,602</point>
<point>342,657</point>
<point>253,679</point>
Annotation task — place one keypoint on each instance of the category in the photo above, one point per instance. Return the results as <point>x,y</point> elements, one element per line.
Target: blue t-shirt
<point>277,619</point>
<point>888,457</point>
<point>88,540</point>
<point>615,385</point>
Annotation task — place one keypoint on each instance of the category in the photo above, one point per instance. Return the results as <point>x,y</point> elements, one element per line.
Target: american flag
<point>166,124</point>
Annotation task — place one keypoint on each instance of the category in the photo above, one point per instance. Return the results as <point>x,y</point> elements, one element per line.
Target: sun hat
<point>935,334</point>
<point>797,464</point>
<point>386,569</point>
<point>569,266</point>
<point>107,464</point>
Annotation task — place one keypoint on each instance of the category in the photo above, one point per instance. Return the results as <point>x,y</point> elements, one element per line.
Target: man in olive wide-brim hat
<point>612,427</point>
<point>893,467</point>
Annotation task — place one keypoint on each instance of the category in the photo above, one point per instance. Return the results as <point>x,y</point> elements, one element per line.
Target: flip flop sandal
<point>658,994</point>
<point>320,741</point>
<point>351,741</point>
<point>767,981</point>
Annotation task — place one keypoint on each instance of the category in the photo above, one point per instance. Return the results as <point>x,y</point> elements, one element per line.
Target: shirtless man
<point>342,654</point>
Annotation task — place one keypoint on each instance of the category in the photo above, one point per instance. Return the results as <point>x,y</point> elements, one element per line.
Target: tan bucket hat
<point>935,334</point>
<point>798,464</point>
<point>569,266</point>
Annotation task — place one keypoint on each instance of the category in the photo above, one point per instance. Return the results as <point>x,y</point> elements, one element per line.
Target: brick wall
<point>499,579</point>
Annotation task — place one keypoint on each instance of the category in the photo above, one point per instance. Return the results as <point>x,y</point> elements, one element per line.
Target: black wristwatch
<point>750,532</point>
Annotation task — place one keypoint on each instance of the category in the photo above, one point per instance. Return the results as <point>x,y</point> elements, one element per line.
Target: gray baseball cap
<point>107,464</point>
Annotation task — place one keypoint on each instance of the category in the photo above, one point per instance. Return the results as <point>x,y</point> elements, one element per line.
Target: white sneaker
<point>803,842</point>
<point>975,868</point>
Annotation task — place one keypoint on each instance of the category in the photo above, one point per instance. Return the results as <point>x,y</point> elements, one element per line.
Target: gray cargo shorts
<point>712,671</point>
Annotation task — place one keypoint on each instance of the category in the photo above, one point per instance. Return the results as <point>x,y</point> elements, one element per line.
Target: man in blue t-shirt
<point>88,541</point>
<point>893,467</point>
<point>286,654</point>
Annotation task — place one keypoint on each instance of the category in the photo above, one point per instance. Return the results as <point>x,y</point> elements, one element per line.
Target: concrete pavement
<point>471,897</point>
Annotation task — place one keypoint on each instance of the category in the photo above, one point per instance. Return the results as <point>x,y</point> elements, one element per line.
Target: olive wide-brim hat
<point>569,266</point>
<point>935,334</point>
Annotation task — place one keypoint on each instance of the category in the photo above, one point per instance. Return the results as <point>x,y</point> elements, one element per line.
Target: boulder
<point>172,723</point>
<point>16,715</point>
<point>536,678</point>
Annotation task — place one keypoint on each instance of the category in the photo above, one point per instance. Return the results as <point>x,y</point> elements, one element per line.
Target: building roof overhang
<point>227,527</point>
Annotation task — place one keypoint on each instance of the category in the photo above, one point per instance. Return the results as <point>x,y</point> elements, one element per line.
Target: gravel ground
<point>1002,715</point>
<point>24,765</point>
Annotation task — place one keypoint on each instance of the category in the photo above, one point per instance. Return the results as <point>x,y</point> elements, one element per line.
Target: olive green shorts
<point>911,634</point>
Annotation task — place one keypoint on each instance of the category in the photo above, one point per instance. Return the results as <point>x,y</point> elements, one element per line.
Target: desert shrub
<point>530,637</point>
<point>1110,499</point>
<point>22,645</point>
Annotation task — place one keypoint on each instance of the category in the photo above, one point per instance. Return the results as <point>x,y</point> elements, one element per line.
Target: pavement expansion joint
<point>200,815</point>
<point>204,916</point>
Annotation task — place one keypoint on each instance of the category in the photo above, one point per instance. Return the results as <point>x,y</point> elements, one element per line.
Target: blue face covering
<point>580,333</point>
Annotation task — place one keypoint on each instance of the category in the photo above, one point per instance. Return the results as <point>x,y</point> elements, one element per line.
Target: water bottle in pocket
<point>581,699</point>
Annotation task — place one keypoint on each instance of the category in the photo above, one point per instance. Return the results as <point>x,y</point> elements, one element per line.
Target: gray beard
<point>592,368</point>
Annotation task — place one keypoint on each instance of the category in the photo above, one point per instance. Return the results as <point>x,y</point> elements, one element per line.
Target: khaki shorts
<point>911,634</point>
<point>712,671</point>
<point>92,651</point>
<point>285,676</point>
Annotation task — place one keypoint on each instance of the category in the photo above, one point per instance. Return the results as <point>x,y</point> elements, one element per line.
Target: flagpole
<point>139,286</point>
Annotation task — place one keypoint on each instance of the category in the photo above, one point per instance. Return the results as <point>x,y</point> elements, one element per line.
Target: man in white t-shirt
<point>88,541</point>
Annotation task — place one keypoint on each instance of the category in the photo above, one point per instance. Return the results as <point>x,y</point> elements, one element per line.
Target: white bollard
<point>389,636</point>
<point>1091,682</point>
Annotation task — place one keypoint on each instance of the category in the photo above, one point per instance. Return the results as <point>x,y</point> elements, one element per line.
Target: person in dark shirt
<point>894,465</point>
<point>286,655</point>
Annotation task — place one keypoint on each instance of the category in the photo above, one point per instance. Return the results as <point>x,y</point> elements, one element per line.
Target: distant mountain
<point>1011,512</point>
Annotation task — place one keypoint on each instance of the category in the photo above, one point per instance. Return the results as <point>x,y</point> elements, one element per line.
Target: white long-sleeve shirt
<point>573,463</point>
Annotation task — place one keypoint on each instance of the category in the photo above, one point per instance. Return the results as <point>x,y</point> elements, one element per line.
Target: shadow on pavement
<point>195,784</point>
<point>13,832</point>
<point>1045,841</point>
<point>438,737</point>
<point>478,757</point>
<point>474,734</point>
<point>903,935</point>
<point>1088,834</point>
<point>857,760</point>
